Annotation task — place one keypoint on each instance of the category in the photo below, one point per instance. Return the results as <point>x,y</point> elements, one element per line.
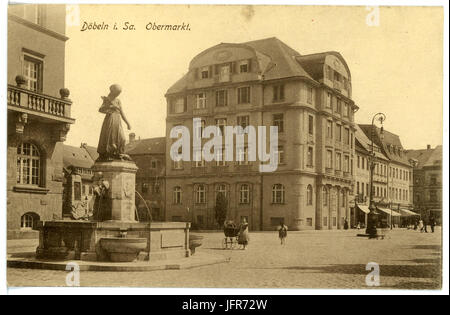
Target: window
<point>28,164</point>
<point>328,101</point>
<point>244,194</point>
<point>224,74</point>
<point>325,196</point>
<point>154,164</point>
<point>339,133</point>
<point>243,95</point>
<point>179,106</point>
<point>311,124</point>
<point>36,12</point>
<point>278,193</point>
<point>27,221</point>
<point>363,161</point>
<point>433,196</point>
<point>200,100</point>
<point>329,129</point>
<point>433,180</point>
<point>243,67</point>
<point>347,136</point>
<point>346,163</point>
<point>242,154</point>
<point>310,157</point>
<point>221,123</point>
<point>200,194</point>
<point>346,109</point>
<point>177,194</point>
<point>220,157</point>
<point>338,161</point>
<point>309,195</point>
<point>339,106</point>
<point>278,121</point>
<point>144,188</point>
<point>309,221</point>
<point>200,127</point>
<point>357,161</point>
<point>325,221</point>
<point>199,160</point>
<point>221,98</point>
<point>33,73</point>
<point>329,73</point>
<point>243,121</point>
<point>278,93</point>
<point>178,165</point>
<point>280,153</point>
<point>221,189</point>
<point>329,159</point>
<point>309,95</point>
<point>205,73</point>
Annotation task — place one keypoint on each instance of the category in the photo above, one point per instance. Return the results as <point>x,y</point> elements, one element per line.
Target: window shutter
<point>250,65</point>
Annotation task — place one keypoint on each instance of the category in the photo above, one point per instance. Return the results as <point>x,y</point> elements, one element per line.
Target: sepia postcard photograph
<point>214,146</point>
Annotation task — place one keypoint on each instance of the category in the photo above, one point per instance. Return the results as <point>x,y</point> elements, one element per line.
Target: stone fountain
<point>111,232</point>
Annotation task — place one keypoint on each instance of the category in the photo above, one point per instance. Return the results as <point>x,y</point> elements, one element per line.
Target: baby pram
<point>231,232</point>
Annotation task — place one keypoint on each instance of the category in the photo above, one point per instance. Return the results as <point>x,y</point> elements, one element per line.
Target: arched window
<point>200,194</point>
<point>28,221</point>
<point>221,189</point>
<point>177,192</point>
<point>244,194</point>
<point>309,195</point>
<point>278,193</point>
<point>28,164</point>
<point>325,196</point>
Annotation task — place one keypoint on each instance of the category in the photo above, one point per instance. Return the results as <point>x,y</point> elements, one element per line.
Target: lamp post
<point>372,217</point>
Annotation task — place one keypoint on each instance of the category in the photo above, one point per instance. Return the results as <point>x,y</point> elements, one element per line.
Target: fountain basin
<point>194,242</point>
<point>121,249</point>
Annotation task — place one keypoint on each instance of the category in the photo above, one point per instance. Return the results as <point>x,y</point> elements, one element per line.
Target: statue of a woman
<point>111,144</point>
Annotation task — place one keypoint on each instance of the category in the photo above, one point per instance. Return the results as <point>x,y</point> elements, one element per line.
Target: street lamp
<point>372,217</point>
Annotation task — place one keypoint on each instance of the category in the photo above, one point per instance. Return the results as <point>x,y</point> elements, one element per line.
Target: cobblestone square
<point>316,259</point>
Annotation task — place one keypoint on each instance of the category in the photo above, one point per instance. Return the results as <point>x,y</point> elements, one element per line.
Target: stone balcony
<point>40,105</point>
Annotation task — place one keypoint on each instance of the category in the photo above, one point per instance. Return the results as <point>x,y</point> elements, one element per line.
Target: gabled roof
<point>146,146</point>
<point>76,157</point>
<point>390,144</point>
<point>366,143</point>
<point>426,157</point>
<point>313,63</point>
<point>91,150</point>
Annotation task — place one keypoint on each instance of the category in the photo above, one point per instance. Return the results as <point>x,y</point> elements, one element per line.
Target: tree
<point>221,208</point>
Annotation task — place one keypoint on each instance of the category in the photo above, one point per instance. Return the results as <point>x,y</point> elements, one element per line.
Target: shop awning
<point>408,213</point>
<point>364,209</point>
<point>389,212</point>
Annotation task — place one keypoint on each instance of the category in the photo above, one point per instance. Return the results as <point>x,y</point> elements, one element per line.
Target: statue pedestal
<point>121,177</point>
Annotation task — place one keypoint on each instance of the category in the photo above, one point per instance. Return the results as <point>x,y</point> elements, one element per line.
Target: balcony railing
<point>30,100</point>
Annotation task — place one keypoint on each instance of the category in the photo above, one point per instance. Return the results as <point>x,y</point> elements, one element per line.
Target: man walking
<point>432,223</point>
<point>282,232</point>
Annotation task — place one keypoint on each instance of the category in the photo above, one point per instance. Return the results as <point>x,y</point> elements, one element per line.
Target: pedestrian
<point>425,225</point>
<point>420,226</point>
<point>345,224</point>
<point>358,226</point>
<point>432,223</point>
<point>243,238</point>
<point>282,232</point>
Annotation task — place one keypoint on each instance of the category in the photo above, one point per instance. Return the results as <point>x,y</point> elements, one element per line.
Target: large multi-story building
<point>363,150</point>
<point>149,155</point>
<point>427,181</point>
<point>266,83</point>
<point>38,115</point>
<point>399,173</point>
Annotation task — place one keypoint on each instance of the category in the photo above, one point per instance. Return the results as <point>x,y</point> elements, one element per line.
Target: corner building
<point>266,83</point>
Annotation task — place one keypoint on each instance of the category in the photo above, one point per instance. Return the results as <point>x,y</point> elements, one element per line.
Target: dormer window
<point>243,67</point>
<point>205,73</point>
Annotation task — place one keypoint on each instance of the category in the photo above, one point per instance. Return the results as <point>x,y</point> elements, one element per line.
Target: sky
<point>396,67</point>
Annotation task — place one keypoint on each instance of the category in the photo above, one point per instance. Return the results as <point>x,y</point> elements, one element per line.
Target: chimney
<point>428,147</point>
<point>132,137</point>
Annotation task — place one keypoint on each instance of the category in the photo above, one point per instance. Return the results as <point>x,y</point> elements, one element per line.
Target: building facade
<point>38,115</point>
<point>399,172</point>
<point>363,149</point>
<point>427,181</point>
<point>149,155</point>
<point>266,83</point>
